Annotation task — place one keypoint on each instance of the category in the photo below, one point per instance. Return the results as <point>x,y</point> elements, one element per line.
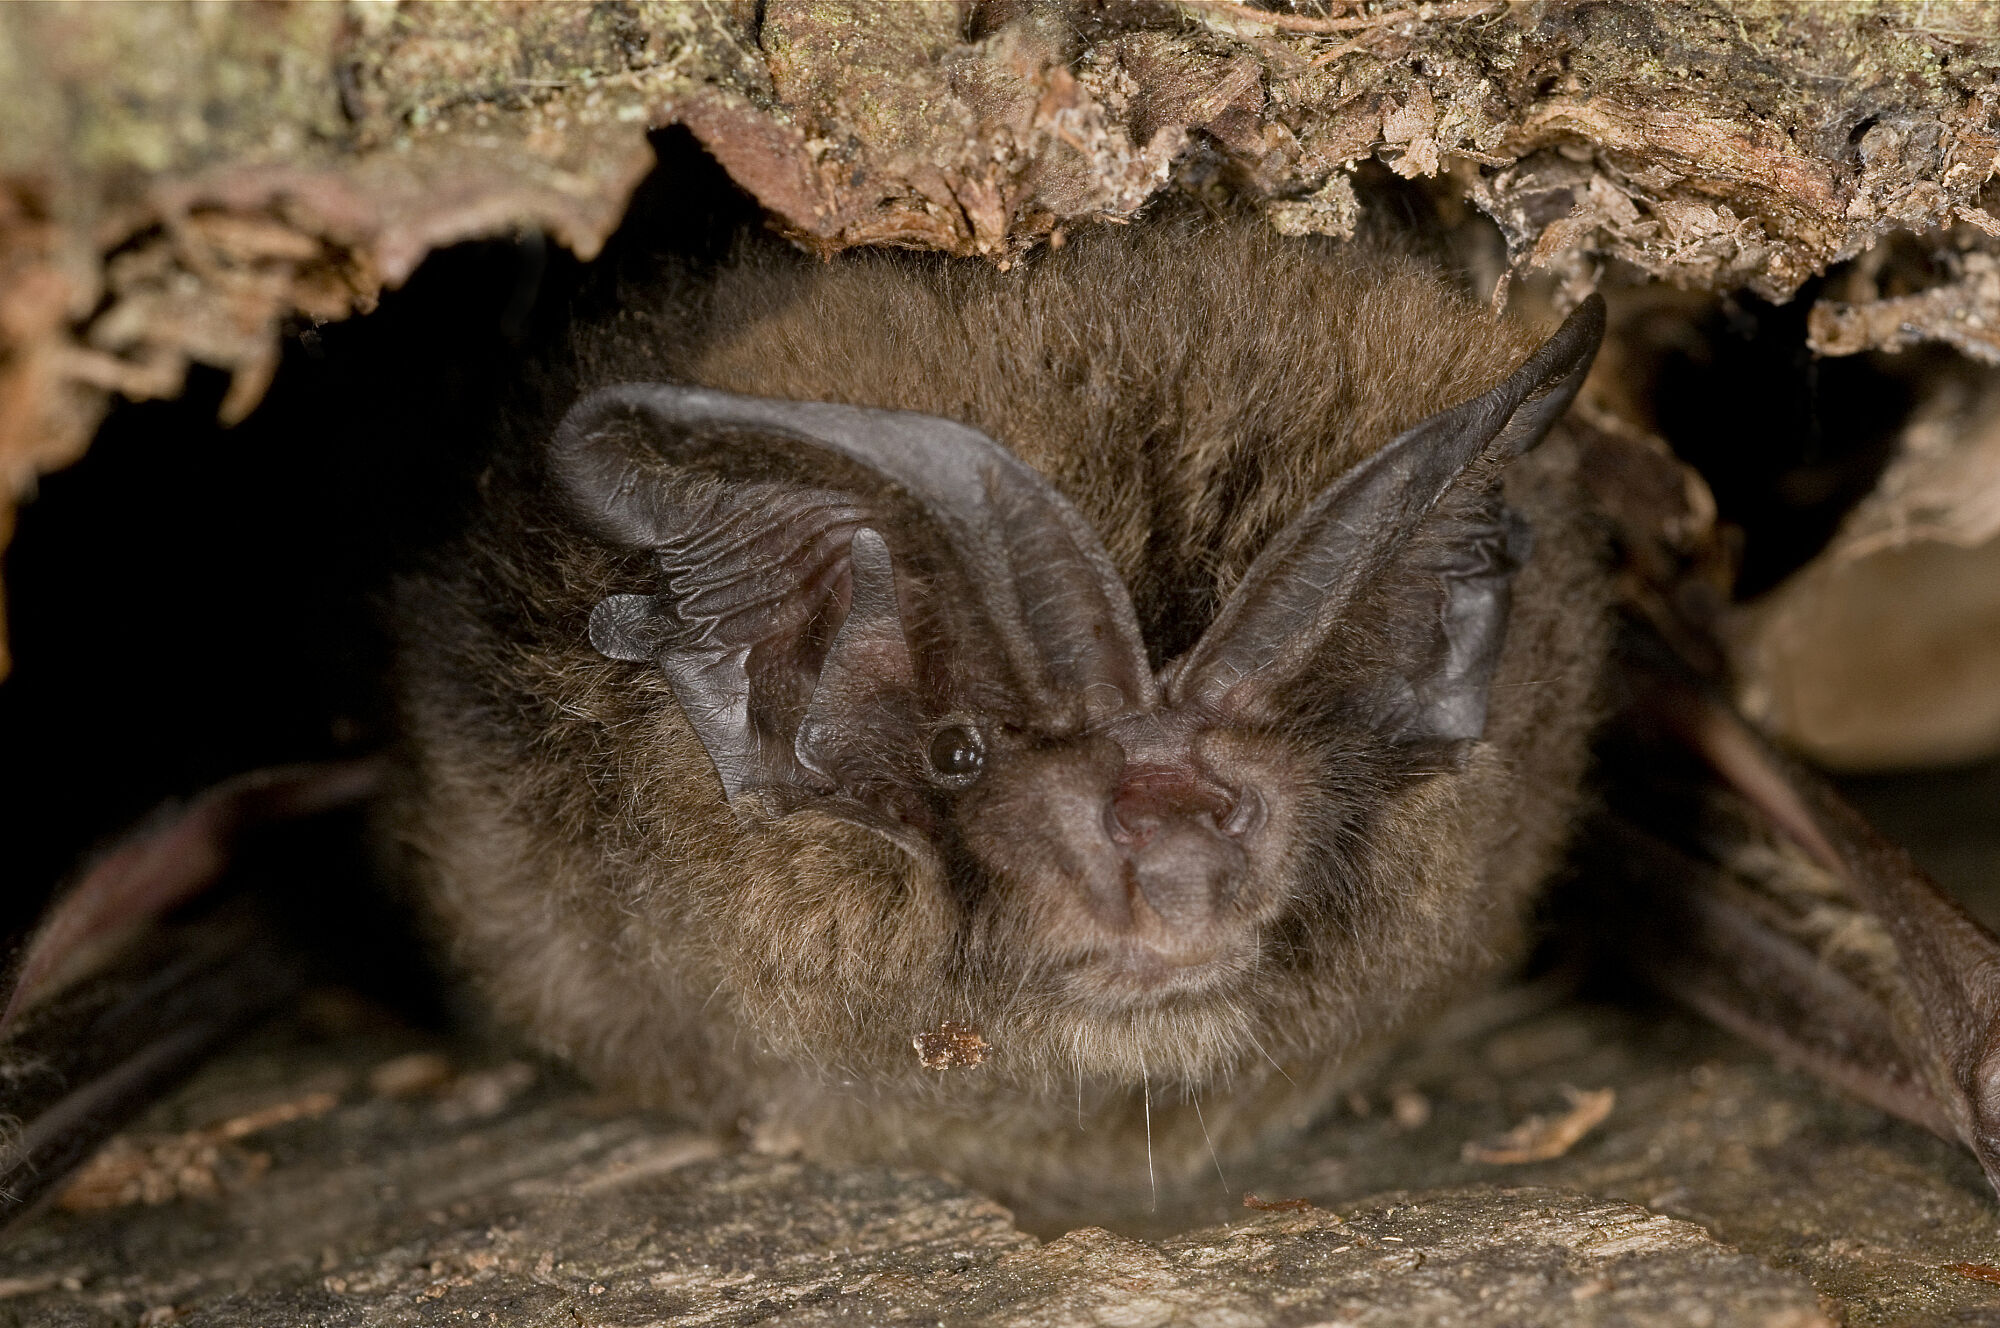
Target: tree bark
<point>179,183</point>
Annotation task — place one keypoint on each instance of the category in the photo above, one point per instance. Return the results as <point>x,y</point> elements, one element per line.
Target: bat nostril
<point>1147,799</point>
<point>1244,815</point>
<point>1178,838</point>
<point>1125,826</point>
<point>1135,813</point>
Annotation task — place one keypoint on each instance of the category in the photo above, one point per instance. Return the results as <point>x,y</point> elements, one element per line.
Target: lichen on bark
<point>179,183</point>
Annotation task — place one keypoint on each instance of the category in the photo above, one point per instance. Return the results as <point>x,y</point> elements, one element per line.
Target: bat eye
<point>957,755</point>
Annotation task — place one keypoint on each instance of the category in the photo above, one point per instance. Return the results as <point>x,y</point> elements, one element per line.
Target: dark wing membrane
<point>108,1005</point>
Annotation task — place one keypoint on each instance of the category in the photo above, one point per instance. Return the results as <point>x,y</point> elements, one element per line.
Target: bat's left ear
<point>834,581</point>
<point>1422,520</point>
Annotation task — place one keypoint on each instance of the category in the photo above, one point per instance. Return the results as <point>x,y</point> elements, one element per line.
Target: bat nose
<point>1179,839</point>
<point>1147,801</point>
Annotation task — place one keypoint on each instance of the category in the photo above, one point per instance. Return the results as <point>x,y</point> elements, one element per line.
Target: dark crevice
<point>1788,440</point>
<point>189,601</point>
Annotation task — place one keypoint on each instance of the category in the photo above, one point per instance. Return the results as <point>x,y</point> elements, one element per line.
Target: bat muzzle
<point>1137,859</point>
<point>1169,867</point>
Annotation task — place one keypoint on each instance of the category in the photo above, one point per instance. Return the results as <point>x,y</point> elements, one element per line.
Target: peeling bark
<point>179,183</point>
<point>1884,653</point>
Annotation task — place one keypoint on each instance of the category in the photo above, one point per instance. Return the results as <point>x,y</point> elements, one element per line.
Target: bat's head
<point>886,623</point>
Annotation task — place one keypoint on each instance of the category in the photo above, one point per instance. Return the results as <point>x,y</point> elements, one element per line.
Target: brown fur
<point>1189,386</point>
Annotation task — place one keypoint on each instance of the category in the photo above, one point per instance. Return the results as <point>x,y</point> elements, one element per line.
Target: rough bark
<point>178,183</point>
<point>367,1178</point>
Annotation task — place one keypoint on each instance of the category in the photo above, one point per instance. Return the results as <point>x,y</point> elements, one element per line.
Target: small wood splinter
<point>1543,1138</point>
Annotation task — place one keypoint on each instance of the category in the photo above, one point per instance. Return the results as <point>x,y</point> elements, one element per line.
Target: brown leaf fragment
<point>414,1074</point>
<point>949,1046</point>
<point>483,1094</point>
<point>1540,1138</point>
<point>281,1113</point>
<point>1410,1109</point>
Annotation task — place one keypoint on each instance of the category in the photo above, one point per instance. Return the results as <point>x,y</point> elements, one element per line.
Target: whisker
<point>1146,1096</point>
<point>1014,1002</point>
<point>1213,1156</point>
<point>1267,1056</point>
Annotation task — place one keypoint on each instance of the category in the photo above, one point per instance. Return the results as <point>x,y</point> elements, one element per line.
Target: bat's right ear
<point>1388,521</point>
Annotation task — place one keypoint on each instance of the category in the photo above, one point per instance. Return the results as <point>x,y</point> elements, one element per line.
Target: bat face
<point>1155,661</point>
<point>1150,857</point>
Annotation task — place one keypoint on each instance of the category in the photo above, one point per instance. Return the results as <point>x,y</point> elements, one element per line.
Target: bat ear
<point>814,555</point>
<point>1418,508</point>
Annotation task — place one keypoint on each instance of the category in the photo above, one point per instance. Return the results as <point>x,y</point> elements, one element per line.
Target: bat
<point>908,707</point>
<point>1053,725</point>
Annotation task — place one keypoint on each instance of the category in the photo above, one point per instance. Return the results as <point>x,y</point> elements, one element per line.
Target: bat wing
<point>1767,902</point>
<point>1920,1038</point>
<point>108,1004</point>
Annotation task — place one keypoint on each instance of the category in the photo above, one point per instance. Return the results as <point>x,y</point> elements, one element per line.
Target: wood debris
<point>950,1046</point>
<point>198,1164</point>
<point>1540,1138</point>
